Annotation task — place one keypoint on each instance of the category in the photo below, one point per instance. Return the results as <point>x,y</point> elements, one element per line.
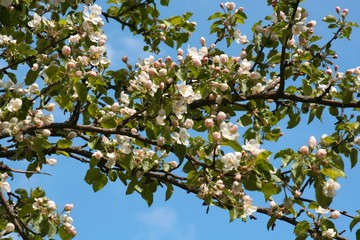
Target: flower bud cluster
<point>67,221</point>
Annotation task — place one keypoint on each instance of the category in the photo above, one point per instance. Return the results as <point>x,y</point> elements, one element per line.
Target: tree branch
<point>13,217</point>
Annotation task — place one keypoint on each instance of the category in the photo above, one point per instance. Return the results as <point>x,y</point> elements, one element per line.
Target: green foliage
<point>198,122</point>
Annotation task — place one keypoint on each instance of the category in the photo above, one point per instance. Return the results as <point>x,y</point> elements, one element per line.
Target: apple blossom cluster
<point>10,124</point>
<point>120,146</point>
<point>67,221</point>
<point>244,202</point>
<point>80,59</point>
<point>48,208</point>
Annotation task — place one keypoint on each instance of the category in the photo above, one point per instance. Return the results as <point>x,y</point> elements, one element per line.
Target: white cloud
<point>163,223</point>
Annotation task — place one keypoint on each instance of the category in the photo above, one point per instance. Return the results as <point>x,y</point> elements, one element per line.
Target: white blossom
<point>51,161</point>
<point>5,186</point>
<point>249,209</point>
<point>181,137</point>
<point>321,210</point>
<point>92,14</point>
<point>96,55</point>
<point>111,160</point>
<point>299,28</point>
<point>51,205</point>
<point>329,233</point>
<point>251,145</point>
<point>14,105</point>
<point>229,131</point>
<point>240,39</point>
<point>36,22</point>
<point>179,108</point>
<point>231,161</point>
<point>330,188</point>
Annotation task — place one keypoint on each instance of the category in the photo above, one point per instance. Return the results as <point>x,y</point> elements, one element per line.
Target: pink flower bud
<point>157,64</point>
<point>125,59</point>
<point>338,9</point>
<point>237,177</point>
<point>321,153</point>
<point>202,41</point>
<point>70,64</point>
<point>311,23</point>
<point>168,59</point>
<point>209,123</point>
<point>46,132</point>
<point>66,50</point>
<point>329,71</point>
<point>221,116</point>
<point>312,142</point>
<point>78,73</point>
<point>173,164</point>
<point>297,193</point>
<point>180,52</point>
<point>304,150</point>
<point>216,136</point>
<point>357,71</point>
<point>91,73</point>
<point>50,107</point>
<point>335,214</point>
<point>68,207</point>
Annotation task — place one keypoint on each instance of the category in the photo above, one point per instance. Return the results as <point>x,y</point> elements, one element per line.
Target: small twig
<point>6,168</point>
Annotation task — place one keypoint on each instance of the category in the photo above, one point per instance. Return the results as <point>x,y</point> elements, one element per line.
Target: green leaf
<point>333,173</point>
<point>301,229</point>
<point>245,120</point>
<point>112,175</point>
<point>275,59</point>
<point>64,143</point>
<point>64,234</point>
<point>93,109</point>
<point>234,214</point>
<point>270,189</point>
<point>31,76</point>
<point>353,157</point>
<point>294,120</point>
<point>100,182</point>
<point>113,11</point>
<point>215,15</point>
<point>323,201</point>
<point>355,221</point>
<point>37,193</point>
<point>329,19</point>
<point>358,234</point>
<point>148,193</point>
<point>180,151</point>
<point>108,122</point>
<point>81,91</point>
<point>235,145</point>
<point>92,175</point>
<point>164,2</point>
<point>271,222</point>
<point>169,191</point>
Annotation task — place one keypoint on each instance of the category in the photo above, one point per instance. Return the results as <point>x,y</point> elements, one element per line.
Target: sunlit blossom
<point>231,161</point>
<point>330,187</point>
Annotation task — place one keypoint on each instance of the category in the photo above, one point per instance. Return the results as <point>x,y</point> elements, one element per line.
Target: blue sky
<point>110,214</point>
